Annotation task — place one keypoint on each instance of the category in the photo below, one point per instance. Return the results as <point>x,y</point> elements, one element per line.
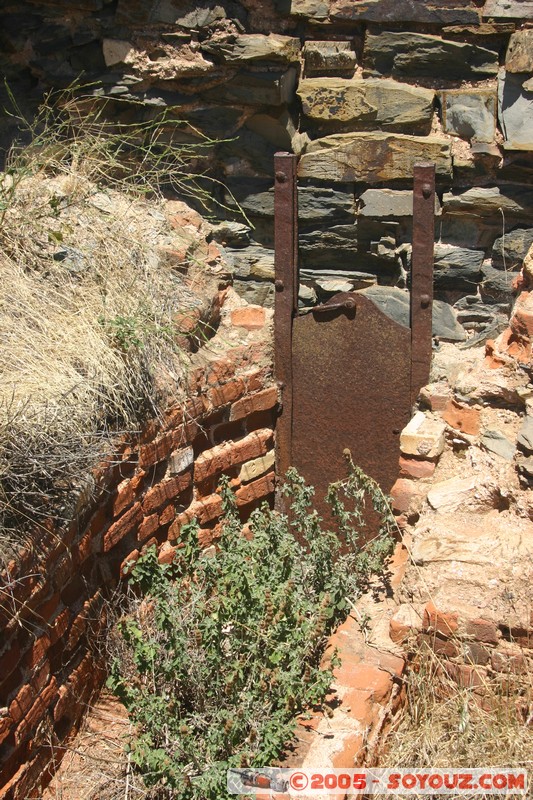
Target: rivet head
<point>279,285</point>
<point>424,300</point>
<point>281,177</point>
<point>426,190</point>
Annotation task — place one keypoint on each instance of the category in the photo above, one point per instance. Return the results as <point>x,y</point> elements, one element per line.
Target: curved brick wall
<point>53,596</point>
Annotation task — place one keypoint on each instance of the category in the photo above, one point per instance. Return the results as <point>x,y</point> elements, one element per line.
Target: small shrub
<point>223,650</point>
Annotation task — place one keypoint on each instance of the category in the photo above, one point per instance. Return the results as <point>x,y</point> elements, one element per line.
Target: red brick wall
<point>53,596</point>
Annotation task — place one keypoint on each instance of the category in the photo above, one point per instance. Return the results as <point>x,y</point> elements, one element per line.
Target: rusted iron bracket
<point>422,276</point>
<point>346,305</point>
<point>286,298</point>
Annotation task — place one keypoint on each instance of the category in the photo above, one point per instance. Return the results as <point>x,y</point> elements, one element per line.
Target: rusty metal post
<point>286,297</point>
<point>422,276</point>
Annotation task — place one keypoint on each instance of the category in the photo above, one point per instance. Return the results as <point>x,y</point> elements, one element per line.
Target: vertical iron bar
<point>286,297</point>
<point>422,276</point>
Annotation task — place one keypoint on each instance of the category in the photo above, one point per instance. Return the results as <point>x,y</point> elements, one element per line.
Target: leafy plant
<point>220,651</point>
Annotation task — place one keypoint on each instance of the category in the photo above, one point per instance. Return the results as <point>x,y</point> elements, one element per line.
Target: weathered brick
<point>36,713</point>
<point>129,562</point>
<point>126,493</point>
<point>350,753</point>
<point>41,677</point>
<point>466,676</point>
<point>126,524</point>
<point>165,491</point>
<point>38,651</point>
<point>257,490</point>
<point>83,548</point>
<point>250,317</point>
<point>371,679</point>
<point>180,460</point>
<point>204,510</point>
<point>88,612</point>
<point>48,609</point>
<point>59,626</point>
<point>462,418</point>
<point>483,631</point>
<point>502,661</point>
<point>167,515</point>
<point>60,570</point>
<point>227,393</point>
<point>194,407</point>
<point>167,553</point>
<point>359,701</point>
<point>257,379</point>
<point>148,526</point>
<point>416,468</point>
<point>260,401</point>
<point>251,470</point>
<point>22,703</point>
<point>222,457</point>
<point>440,645</point>
<point>6,723</point>
<point>153,452</point>
<point>440,621</point>
<point>422,436</point>
<point>208,536</point>
<point>475,653</point>
<point>219,370</point>
<point>407,496</point>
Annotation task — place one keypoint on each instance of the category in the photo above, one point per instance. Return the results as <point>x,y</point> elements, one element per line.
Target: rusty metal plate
<point>351,389</point>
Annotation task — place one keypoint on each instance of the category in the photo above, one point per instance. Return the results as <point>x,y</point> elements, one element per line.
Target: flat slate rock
<point>496,284</point>
<point>449,12</point>
<point>236,49</point>
<point>495,442</point>
<point>457,267</point>
<point>422,55</point>
<point>395,303</point>
<point>515,101</point>
<point>258,293</point>
<point>486,201</point>
<point>388,203</point>
<point>525,435</point>
<point>509,251</point>
<point>372,157</point>
<point>316,204</point>
<point>256,88</point>
<point>519,57</point>
<point>314,9</point>
<point>372,103</point>
<point>323,57</point>
<point>470,113</point>
<point>508,9</point>
<point>326,246</point>
<point>254,262</point>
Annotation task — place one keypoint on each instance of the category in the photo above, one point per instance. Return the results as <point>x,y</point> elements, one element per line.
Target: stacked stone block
<point>361,89</point>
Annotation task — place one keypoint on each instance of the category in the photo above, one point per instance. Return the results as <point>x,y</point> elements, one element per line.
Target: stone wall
<point>54,595</point>
<point>464,502</point>
<point>360,88</point>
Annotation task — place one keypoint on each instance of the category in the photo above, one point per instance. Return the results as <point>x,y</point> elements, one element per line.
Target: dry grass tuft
<point>446,726</point>
<point>87,303</point>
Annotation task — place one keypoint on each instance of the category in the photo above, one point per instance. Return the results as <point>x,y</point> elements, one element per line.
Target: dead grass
<point>87,303</point>
<point>446,726</point>
<point>95,766</point>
